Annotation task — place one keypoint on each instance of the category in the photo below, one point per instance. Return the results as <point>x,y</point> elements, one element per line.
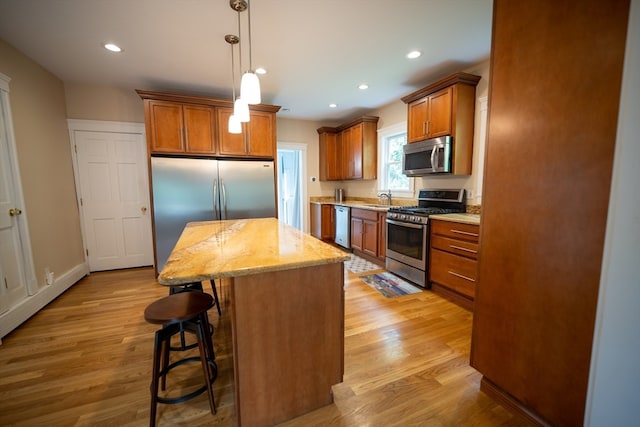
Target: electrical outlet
<point>48,276</point>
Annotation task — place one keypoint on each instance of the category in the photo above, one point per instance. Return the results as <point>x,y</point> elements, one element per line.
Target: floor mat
<point>360,265</point>
<point>390,285</point>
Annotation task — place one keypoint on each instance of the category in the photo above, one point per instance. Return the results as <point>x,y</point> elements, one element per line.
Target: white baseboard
<point>34,303</point>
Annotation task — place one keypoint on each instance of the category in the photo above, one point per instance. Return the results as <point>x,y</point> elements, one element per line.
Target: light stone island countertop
<point>464,218</point>
<point>213,249</point>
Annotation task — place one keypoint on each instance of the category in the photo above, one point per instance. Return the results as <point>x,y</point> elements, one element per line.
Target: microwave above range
<point>427,157</point>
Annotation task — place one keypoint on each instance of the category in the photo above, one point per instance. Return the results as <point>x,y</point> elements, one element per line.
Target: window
<point>391,140</point>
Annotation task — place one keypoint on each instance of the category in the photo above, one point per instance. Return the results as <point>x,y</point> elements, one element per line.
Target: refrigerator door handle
<point>224,199</point>
<point>215,200</point>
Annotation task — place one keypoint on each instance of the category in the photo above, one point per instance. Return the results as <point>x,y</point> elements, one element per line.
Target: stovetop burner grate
<point>417,210</point>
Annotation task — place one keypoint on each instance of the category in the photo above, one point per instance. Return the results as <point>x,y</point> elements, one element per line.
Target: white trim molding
<point>22,311</point>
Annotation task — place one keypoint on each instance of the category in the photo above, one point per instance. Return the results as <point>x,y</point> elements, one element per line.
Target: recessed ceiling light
<point>261,71</point>
<point>333,105</point>
<point>414,54</point>
<point>112,47</point>
<point>363,86</point>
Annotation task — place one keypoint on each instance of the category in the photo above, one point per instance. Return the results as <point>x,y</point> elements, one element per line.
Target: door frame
<point>95,126</point>
<point>31,281</point>
<point>297,146</point>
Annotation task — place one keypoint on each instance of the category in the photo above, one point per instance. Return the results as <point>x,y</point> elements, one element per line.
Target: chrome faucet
<point>387,196</point>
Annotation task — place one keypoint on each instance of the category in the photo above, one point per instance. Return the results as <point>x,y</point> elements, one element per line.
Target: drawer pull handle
<point>461,276</point>
<point>466,233</point>
<point>460,248</point>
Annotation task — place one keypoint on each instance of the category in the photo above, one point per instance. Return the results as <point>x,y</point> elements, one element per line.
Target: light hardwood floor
<point>85,360</point>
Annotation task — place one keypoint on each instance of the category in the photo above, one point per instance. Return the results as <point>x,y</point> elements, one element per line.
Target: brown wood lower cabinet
<point>323,221</point>
<point>453,265</point>
<point>366,236</point>
<point>382,235</point>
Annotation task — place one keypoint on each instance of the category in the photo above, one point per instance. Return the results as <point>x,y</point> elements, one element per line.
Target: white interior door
<point>17,275</point>
<point>114,199</point>
<point>12,279</point>
<point>292,190</point>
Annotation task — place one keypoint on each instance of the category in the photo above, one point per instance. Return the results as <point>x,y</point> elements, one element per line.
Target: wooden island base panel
<point>286,311</point>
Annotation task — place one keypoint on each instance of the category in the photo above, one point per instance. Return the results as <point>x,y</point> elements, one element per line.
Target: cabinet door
<point>328,222</point>
<point>352,152</point>
<point>356,233</point>
<point>333,157</point>
<point>315,220</point>
<point>166,127</point>
<point>229,144</point>
<point>382,235</point>
<point>199,125</point>
<point>370,237</point>
<point>454,272</point>
<point>417,120</point>
<point>439,122</point>
<point>261,136</point>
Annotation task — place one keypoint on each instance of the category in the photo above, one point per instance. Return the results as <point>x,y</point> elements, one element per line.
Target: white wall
<point>614,384</point>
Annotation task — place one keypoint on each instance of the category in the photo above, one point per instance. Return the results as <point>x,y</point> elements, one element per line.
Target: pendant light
<point>250,84</point>
<point>234,125</point>
<point>240,106</point>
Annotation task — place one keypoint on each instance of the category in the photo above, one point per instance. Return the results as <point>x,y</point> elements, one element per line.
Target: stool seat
<point>178,307</point>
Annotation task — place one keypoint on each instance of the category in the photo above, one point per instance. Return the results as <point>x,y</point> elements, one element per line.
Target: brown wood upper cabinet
<point>179,128</point>
<point>194,125</point>
<point>446,107</point>
<point>430,117</point>
<point>258,137</point>
<point>330,155</point>
<point>349,151</point>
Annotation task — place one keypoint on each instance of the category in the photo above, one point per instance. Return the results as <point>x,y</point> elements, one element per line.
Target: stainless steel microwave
<point>427,157</point>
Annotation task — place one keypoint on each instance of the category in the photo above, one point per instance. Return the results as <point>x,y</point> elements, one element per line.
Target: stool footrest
<point>188,396</point>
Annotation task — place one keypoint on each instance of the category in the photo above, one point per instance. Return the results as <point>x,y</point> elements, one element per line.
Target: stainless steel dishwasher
<point>343,226</point>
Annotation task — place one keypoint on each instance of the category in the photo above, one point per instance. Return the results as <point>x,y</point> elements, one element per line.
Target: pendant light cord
<point>233,74</point>
<point>240,44</point>
<point>249,22</point>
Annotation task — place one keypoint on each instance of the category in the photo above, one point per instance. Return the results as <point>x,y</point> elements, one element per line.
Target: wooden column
<point>556,71</point>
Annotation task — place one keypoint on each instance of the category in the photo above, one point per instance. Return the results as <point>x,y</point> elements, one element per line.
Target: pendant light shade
<point>250,84</point>
<point>234,125</point>
<point>241,110</point>
<point>250,88</point>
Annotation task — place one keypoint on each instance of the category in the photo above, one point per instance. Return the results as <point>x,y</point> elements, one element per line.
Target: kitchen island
<point>286,309</point>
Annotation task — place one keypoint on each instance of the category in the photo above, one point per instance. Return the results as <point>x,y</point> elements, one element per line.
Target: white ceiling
<point>316,51</point>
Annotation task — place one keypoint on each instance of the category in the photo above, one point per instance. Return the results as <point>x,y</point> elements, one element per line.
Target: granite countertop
<point>464,218</point>
<point>213,249</point>
<point>355,204</point>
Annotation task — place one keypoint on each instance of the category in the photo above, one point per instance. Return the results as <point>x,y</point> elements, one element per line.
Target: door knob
<point>143,209</point>
<point>14,212</point>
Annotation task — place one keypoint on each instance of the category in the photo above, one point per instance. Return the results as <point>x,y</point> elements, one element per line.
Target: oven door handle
<point>405,224</point>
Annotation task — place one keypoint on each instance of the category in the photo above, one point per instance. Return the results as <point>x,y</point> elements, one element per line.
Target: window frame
<point>384,134</point>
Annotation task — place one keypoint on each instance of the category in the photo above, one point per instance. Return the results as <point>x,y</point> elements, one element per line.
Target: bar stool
<point>177,313</point>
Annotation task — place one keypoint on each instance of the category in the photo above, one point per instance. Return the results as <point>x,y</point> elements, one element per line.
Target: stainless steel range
<point>408,232</point>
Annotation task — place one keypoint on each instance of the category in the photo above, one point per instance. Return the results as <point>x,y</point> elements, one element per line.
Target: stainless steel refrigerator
<point>186,190</point>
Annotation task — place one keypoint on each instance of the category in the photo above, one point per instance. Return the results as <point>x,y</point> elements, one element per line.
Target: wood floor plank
<point>85,360</point>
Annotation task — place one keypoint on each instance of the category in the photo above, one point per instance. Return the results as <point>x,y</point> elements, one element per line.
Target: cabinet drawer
<point>454,272</point>
<point>369,214</point>
<point>456,230</point>
<point>455,246</point>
